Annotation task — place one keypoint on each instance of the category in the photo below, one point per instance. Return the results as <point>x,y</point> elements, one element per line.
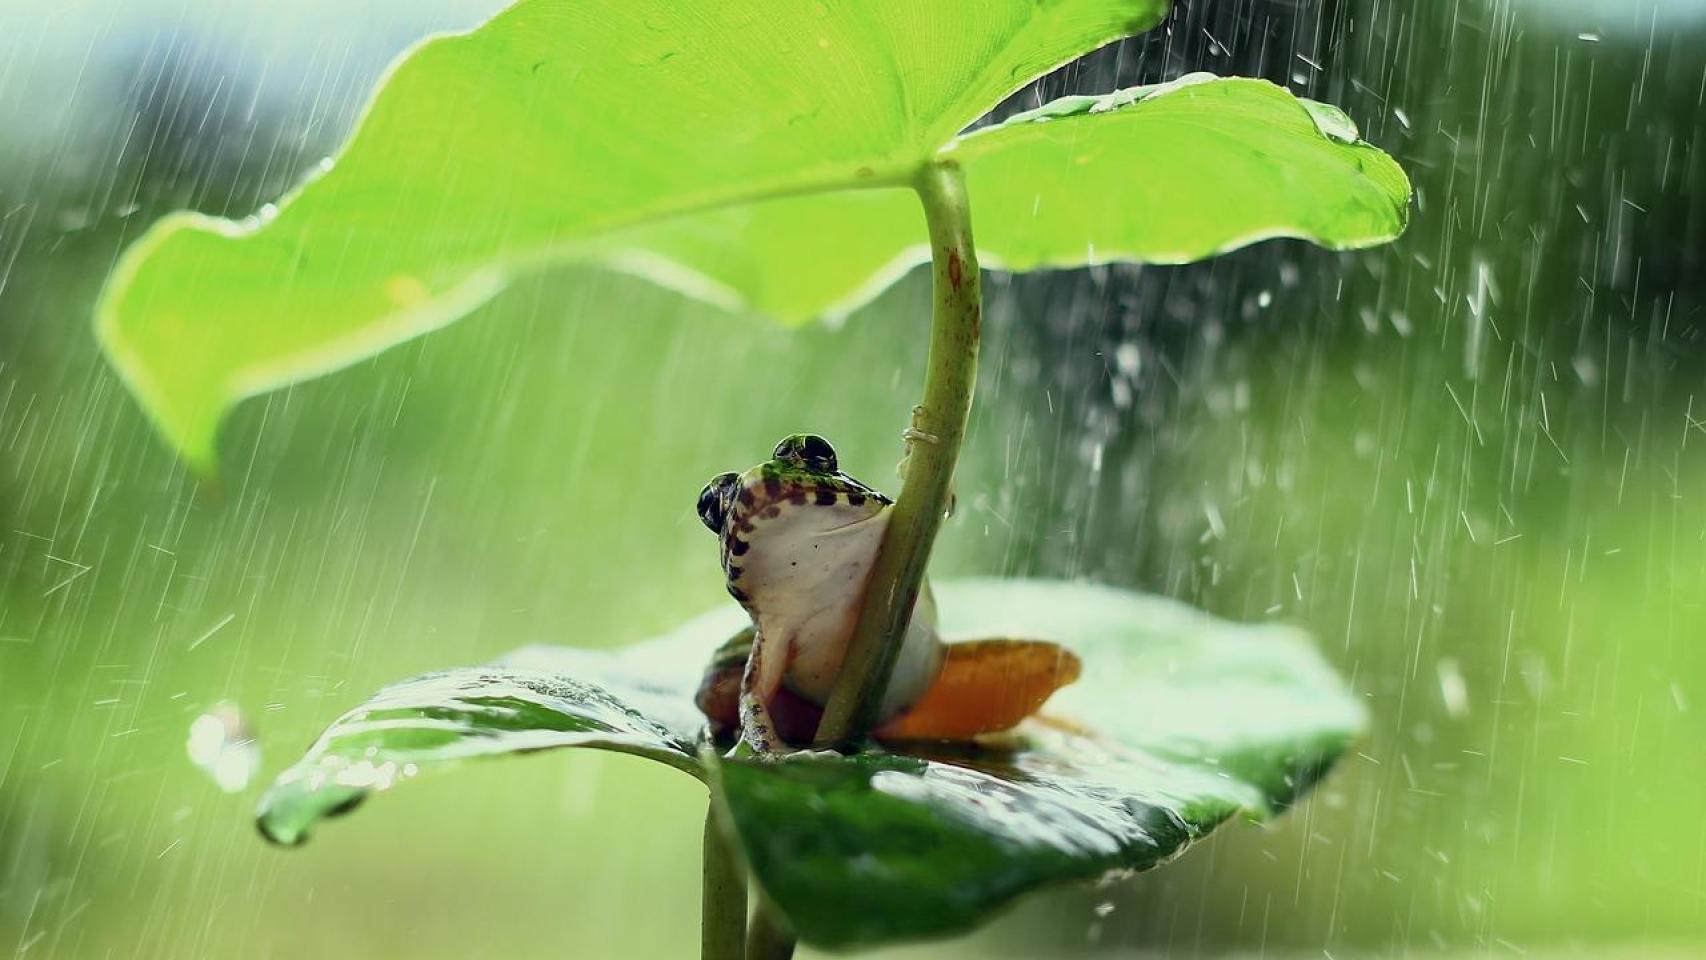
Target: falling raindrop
<point>1453,690</point>
<point>223,746</point>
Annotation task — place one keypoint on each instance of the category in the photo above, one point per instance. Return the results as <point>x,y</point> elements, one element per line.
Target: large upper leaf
<point>1180,722</point>
<point>529,137</point>
<point>1162,174</point>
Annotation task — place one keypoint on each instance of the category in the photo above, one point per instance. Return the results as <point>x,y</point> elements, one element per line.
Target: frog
<point>798,538</point>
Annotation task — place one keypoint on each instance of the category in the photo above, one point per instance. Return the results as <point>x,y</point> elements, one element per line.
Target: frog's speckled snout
<point>716,499</point>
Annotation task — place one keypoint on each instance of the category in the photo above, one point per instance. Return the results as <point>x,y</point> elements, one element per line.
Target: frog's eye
<point>807,450</point>
<point>714,500</point>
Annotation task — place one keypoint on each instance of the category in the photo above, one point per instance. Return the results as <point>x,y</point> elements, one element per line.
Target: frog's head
<point>791,515</point>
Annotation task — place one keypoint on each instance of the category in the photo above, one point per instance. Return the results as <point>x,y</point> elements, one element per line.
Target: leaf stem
<point>722,922</point>
<point>897,575</point>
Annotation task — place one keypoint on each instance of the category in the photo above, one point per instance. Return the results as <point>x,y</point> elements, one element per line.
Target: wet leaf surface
<point>1181,722</point>
<point>1195,720</point>
<point>638,701</point>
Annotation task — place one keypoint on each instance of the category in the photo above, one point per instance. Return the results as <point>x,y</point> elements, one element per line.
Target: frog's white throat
<point>803,579</point>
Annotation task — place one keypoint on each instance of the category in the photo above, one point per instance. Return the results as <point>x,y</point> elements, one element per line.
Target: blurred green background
<point>1471,463</point>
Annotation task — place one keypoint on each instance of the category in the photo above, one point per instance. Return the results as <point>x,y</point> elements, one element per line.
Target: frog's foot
<point>757,730</point>
<point>912,434</point>
<point>985,686</point>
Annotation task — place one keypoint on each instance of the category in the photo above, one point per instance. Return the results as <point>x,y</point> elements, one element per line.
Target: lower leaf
<point>637,701</point>
<point>1181,722</point>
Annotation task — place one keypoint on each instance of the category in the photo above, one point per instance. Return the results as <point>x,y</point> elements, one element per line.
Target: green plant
<point>769,156</point>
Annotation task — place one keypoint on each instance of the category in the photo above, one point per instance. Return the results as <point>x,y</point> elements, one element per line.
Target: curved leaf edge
<point>185,422</point>
<point>1329,121</point>
<point>1308,771</point>
<point>1332,123</point>
<point>195,435</point>
<point>332,802</point>
<point>324,784</point>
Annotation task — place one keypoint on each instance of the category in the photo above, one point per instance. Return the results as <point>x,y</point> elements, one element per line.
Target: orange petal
<point>985,686</point>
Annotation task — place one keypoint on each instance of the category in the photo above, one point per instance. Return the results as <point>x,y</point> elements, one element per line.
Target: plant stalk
<point>722,921</point>
<point>939,424</point>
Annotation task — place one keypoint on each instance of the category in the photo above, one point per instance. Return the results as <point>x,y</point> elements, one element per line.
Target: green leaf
<point>1197,720</point>
<point>637,701</point>
<point>531,137</point>
<point>1161,174</point>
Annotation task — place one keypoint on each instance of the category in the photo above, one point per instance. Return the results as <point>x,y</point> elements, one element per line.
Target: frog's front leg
<point>793,719</point>
<point>765,668</point>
